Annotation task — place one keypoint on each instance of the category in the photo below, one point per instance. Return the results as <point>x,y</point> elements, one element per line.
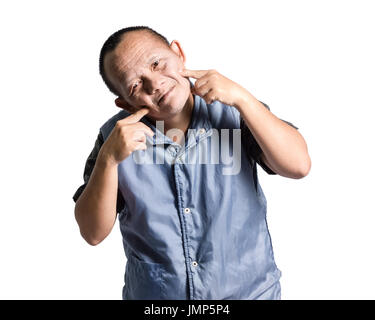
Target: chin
<point>171,110</point>
<point>173,107</point>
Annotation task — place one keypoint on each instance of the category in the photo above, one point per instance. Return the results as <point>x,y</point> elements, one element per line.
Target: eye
<point>155,64</point>
<point>134,86</point>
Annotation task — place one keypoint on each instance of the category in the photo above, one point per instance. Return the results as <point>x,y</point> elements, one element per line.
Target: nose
<point>152,83</point>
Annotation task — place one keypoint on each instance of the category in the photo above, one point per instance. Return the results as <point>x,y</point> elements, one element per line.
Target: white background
<point>312,62</point>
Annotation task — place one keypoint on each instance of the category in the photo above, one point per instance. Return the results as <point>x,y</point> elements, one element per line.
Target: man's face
<point>145,71</point>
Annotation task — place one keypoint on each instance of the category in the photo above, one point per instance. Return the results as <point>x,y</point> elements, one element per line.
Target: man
<point>191,230</point>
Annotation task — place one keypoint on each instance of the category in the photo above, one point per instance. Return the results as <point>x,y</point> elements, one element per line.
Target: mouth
<point>165,96</point>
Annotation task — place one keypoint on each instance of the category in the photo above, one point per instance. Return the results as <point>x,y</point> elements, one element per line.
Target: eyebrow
<point>152,58</point>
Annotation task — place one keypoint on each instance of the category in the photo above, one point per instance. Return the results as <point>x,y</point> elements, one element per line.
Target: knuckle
<point>143,126</point>
<point>118,125</point>
<point>124,135</point>
<point>122,128</point>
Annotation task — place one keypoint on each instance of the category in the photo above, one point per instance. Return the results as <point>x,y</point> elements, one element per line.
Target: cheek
<point>182,81</point>
<point>172,71</point>
<point>185,85</point>
<point>142,100</point>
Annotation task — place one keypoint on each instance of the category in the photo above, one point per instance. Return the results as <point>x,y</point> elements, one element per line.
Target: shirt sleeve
<point>89,167</point>
<point>252,147</point>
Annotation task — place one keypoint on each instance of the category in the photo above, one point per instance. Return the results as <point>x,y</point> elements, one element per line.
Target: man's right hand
<point>128,135</point>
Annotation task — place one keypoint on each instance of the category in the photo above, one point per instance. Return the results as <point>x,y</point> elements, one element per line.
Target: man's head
<point>140,67</point>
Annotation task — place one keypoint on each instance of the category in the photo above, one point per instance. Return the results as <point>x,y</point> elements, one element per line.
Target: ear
<point>177,49</point>
<point>121,103</point>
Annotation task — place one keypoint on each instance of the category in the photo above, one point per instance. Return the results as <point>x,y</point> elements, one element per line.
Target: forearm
<point>95,209</point>
<point>283,147</point>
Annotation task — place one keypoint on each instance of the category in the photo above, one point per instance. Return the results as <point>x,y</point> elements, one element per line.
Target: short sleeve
<point>251,146</point>
<point>89,167</point>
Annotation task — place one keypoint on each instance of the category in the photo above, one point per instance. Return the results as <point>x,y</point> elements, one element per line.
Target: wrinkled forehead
<point>135,50</point>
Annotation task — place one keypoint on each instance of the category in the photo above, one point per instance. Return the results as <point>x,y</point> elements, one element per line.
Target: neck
<point>181,121</point>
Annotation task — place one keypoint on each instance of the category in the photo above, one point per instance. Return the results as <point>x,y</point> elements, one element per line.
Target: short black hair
<point>111,44</point>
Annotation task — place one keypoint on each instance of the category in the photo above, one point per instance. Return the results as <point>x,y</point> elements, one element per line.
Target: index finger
<point>136,116</point>
<point>196,74</point>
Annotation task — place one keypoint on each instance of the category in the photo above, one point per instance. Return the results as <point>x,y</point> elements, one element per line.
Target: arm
<point>95,209</point>
<point>251,146</point>
<point>284,148</point>
<point>264,159</point>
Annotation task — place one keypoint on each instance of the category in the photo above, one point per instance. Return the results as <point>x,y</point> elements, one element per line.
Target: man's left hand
<point>211,86</point>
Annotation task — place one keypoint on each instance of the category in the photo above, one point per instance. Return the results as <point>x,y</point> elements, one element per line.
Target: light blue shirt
<point>195,230</point>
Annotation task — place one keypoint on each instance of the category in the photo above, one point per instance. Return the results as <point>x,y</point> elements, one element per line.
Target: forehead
<point>135,51</point>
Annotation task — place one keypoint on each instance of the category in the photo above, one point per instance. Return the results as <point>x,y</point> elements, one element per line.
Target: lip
<point>166,95</point>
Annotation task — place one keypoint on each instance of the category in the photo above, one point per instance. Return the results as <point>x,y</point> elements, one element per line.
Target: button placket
<point>172,150</point>
<point>184,228</point>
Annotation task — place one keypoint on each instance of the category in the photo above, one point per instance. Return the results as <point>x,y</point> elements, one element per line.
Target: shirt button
<point>187,210</point>
<point>202,131</point>
<point>194,264</point>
